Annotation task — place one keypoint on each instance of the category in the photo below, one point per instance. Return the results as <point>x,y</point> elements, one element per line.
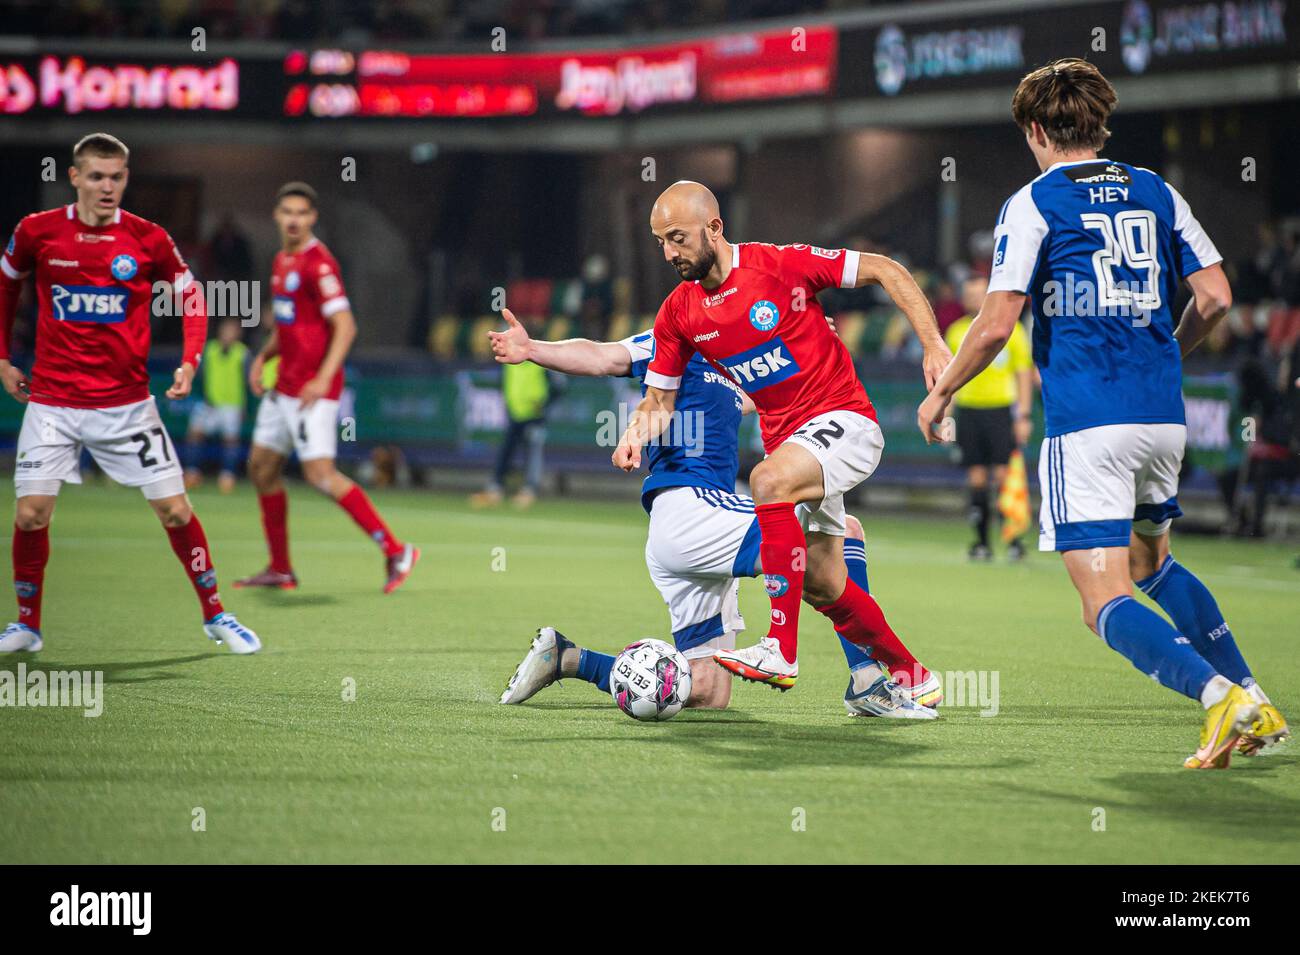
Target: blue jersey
<point>700,447</point>
<point>1101,248</point>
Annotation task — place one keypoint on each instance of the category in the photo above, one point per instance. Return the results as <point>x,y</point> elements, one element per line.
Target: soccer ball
<point>650,680</point>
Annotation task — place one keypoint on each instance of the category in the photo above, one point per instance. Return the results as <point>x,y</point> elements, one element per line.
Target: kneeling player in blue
<point>1100,247</point>
<point>703,537</point>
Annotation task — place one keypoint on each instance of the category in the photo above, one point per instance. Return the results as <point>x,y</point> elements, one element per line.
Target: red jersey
<point>94,289</point>
<point>764,328</point>
<point>307,288</point>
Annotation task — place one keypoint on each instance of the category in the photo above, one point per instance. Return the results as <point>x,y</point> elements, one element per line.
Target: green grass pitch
<point>424,766</point>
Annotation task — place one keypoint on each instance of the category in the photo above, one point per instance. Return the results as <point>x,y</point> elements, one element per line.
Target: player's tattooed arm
<point>988,335</point>
<point>650,419</point>
<point>575,356</point>
<point>1211,300</point>
<point>911,301</point>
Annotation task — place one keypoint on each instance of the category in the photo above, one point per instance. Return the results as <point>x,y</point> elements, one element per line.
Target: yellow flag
<point>1013,501</point>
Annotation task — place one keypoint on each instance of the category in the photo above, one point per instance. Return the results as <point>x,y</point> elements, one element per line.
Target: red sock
<point>275,524</point>
<point>31,553</point>
<point>859,619</point>
<point>356,503</point>
<point>785,556</point>
<point>191,547</point>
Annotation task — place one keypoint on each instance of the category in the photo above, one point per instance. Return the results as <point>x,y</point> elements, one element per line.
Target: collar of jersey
<point>735,264</point>
<point>1073,162</point>
<point>117,216</point>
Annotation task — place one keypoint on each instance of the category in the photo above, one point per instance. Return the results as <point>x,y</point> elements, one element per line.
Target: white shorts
<point>1099,484</point>
<point>700,542</point>
<point>225,420</point>
<point>284,427</point>
<point>129,442</point>
<point>848,446</point>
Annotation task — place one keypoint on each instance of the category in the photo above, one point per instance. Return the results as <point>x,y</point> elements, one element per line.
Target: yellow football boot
<point>1268,730</point>
<point>1225,722</point>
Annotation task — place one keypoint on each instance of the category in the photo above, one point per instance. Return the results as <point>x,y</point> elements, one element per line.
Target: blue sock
<point>594,668</point>
<point>855,558</point>
<point>1153,646</point>
<point>230,458</point>
<point>195,452</point>
<point>1195,613</point>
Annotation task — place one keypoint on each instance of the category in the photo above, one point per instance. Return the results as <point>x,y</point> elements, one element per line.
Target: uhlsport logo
<point>89,303</point>
<point>761,366</point>
<point>764,315</point>
<point>282,308</point>
<point>775,584</point>
<point>124,267</point>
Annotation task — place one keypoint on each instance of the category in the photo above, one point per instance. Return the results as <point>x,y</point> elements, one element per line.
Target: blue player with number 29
<point>1100,248</point>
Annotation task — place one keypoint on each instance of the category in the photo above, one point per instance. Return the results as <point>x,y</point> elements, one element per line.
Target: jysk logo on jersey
<point>124,267</point>
<point>89,303</point>
<point>282,309</point>
<point>764,365</point>
<point>764,315</point>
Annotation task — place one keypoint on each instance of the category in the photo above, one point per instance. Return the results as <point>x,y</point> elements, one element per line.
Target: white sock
<point>1215,690</point>
<point>1256,693</point>
<point>863,677</point>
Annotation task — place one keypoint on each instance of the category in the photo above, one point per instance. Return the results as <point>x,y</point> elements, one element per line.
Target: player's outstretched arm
<point>987,336</point>
<point>907,295</point>
<point>1211,300</point>
<point>650,419</point>
<point>574,356</point>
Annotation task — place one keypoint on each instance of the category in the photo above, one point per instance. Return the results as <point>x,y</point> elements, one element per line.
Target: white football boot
<point>20,638</point>
<point>885,699</point>
<point>224,628</point>
<point>761,663</point>
<point>539,668</point>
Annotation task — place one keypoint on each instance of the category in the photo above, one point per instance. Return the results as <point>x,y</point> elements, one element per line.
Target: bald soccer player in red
<point>751,311</point>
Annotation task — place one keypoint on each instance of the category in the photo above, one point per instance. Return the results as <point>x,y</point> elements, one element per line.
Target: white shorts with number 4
<point>284,427</point>
<point>129,442</point>
<point>848,446</point>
